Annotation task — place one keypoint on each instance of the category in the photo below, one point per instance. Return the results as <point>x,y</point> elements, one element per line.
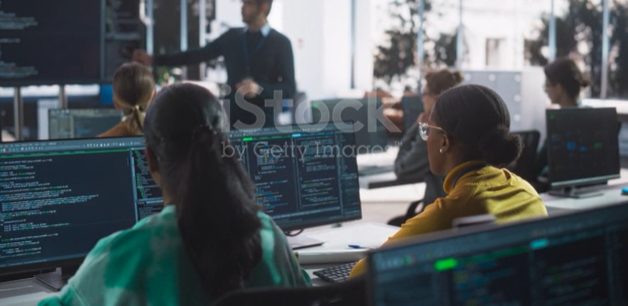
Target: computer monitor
<point>583,148</point>
<point>67,41</point>
<point>574,259</point>
<point>81,123</point>
<point>305,175</point>
<point>412,107</point>
<point>372,136</point>
<point>58,198</point>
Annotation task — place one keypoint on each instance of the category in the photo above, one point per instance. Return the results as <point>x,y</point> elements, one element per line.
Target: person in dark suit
<point>259,62</point>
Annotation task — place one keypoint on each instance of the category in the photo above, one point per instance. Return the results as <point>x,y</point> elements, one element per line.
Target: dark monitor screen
<point>50,42</point>
<point>412,107</point>
<point>575,259</point>
<point>81,123</point>
<point>582,146</point>
<point>305,176</point>
<point>58,198</point>
<point>66,41</point>
<point>370,132</point>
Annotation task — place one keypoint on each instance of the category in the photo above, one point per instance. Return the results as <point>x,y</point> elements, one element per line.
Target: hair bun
<point>500,148</point>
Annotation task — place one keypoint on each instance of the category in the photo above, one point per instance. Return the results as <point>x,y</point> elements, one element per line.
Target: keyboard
<point>336,274</point>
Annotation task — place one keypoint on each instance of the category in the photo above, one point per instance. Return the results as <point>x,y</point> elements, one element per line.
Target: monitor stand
<point>56,279</point>
<point>301,242</point>
<point>572,192</point>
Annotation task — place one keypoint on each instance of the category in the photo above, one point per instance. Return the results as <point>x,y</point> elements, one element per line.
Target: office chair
<point>351,292</point>
<point>433,191</point>
<point>524,166</point>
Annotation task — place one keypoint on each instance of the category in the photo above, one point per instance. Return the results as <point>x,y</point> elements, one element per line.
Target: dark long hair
<point>477,117</point>
<point>214,198</point>
<point>565,72</point>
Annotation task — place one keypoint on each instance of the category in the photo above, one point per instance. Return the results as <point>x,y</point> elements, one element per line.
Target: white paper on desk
<point>330,257</point>
<point>337,240</point>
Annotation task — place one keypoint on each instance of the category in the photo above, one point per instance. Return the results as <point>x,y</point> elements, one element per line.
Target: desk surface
<point>611,194</point>
<point>335,249</point>
<point>24,292</point>
<point>381,180</point>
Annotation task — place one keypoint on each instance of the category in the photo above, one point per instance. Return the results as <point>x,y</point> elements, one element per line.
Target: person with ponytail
<point>211,237</point>
<point>563,83</point>
<point>468,140</point>
<point>133,89</point>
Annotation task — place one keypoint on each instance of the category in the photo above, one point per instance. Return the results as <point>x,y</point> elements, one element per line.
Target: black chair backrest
<point>412,107</point>
<point>352,292</point>
<point>524,166</point>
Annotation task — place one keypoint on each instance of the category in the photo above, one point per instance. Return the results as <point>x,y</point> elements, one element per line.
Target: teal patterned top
<point>147,265</point>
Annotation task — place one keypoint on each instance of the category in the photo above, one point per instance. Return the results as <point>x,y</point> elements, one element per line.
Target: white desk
<point>24,292</point>
<point>610,195</point>
<point>336,248</point>
<point>368,235</point>
<point>386,158</point>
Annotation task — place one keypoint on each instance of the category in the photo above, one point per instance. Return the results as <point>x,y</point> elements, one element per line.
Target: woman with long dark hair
<point>210,238</point>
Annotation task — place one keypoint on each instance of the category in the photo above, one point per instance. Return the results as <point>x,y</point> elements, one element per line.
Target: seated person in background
<point>468,140</point>
<point>210,238</point>
<point>563,83</point>
<point>412,162</point>
<point>133,89</point>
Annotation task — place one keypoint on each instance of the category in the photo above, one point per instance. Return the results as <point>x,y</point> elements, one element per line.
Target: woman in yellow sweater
<point>468,140</point>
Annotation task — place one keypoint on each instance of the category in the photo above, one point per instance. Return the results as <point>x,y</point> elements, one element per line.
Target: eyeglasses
<point>424,129</point>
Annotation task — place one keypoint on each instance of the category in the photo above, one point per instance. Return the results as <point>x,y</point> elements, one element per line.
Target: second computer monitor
<point>81,123</point>
<point>582,146</point>
<point>304,177</point>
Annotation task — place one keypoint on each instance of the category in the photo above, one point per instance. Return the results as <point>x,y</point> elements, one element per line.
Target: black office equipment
<point>336,274</point>
<point>412,107</point>
<point>351,293</point>
<point>66,41</point>
<point>58,198</point>
<point>582,149</point>
<point>578,258</point>
<point>306,176</point>
<point>367,115</point>
<point>81,123</point>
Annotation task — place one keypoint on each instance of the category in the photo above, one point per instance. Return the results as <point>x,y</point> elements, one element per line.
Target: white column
<point>460,38</point>
<point>184,25</point>
<point>552,34</point>
<point>605,49</point>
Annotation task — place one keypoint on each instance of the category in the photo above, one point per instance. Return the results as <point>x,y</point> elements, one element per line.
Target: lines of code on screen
<point>303,179</point>
<point>51,42</point>
<point>58,205</point>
